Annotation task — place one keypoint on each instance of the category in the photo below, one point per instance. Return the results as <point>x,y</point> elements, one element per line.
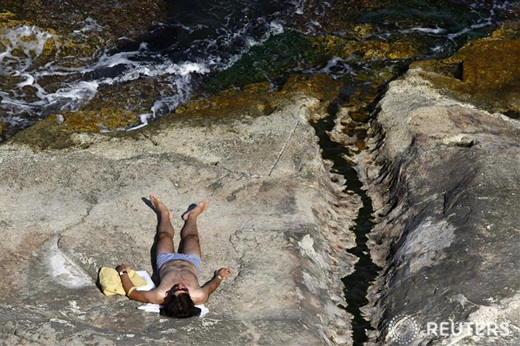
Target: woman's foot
<point>196,211</point>
<point>160,206</point>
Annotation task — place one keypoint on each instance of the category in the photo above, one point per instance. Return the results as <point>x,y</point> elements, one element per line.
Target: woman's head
<point>180,306</point>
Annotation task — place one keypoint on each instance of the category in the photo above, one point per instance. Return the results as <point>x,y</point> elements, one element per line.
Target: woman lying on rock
<point>179,289</point>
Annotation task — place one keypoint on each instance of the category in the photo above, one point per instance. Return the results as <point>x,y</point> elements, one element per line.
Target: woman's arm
<point>130,290</point>
<point>210,286</point>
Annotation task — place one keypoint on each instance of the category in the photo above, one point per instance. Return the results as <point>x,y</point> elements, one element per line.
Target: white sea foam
<point>74,94</point>
<point>435,31</point>
<point>29,80</point>
<point>107,61</point>
<point>144,121</point>
<point>335,67</point>
<point>60,118</point>
<point>437,49</point>
<point>90,25</point>
<point>299,6</point>
<point>276,28</point>
<point>29,40</point>
<point>191,29</point>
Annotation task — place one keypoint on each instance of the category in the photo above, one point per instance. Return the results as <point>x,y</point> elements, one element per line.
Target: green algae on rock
<point>258,99</point>
<point>293,51</point>
<point>55,132</point>
<point>268,62</point>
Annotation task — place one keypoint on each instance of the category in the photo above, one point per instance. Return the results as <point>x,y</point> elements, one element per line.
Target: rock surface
<point>443,176</point>
<point>273,214</point>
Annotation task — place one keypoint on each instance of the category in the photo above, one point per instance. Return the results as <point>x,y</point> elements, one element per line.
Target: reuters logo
<point>402,330</point>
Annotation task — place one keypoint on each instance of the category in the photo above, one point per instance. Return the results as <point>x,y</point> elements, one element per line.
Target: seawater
<point>201,37</point>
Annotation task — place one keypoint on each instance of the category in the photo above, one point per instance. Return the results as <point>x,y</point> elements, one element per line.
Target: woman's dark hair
<point>180,306</point>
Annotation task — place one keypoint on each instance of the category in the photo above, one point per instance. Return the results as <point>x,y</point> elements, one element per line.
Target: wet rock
<point>118,18</point>
<point>136,96</point>
<point>70,36</point>
<point>483,72</point>
<point>56,131</point>
<point>258,99</point>
<point>355,49</point>
<point>340,15</point>
<point>294,51</point>
<point>321,86</point>
<point>255,100</point>
<point>443,177</point>
<point>273,217</point>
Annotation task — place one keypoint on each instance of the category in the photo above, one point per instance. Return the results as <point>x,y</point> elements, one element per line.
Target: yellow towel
<point>111,284</point>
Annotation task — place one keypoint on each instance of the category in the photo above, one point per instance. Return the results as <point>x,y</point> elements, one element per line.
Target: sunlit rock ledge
<point>443,177</point>
<point>275,219</point>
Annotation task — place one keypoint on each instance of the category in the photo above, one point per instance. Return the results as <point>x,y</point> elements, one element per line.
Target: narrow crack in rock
<point>284,147</point>
<point>365,271</point>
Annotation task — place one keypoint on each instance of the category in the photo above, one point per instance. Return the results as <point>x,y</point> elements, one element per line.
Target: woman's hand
<point>224,273</point>
<point>123,268</point>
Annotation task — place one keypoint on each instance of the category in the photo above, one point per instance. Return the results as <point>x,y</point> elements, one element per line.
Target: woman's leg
<point>189,234</point>
<point>165,229</point>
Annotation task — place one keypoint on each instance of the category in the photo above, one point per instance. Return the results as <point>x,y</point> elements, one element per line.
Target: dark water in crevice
<point>365,271</point>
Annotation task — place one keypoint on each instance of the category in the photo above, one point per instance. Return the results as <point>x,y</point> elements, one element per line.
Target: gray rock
<point>444,179</point>
<point>64,214</point>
